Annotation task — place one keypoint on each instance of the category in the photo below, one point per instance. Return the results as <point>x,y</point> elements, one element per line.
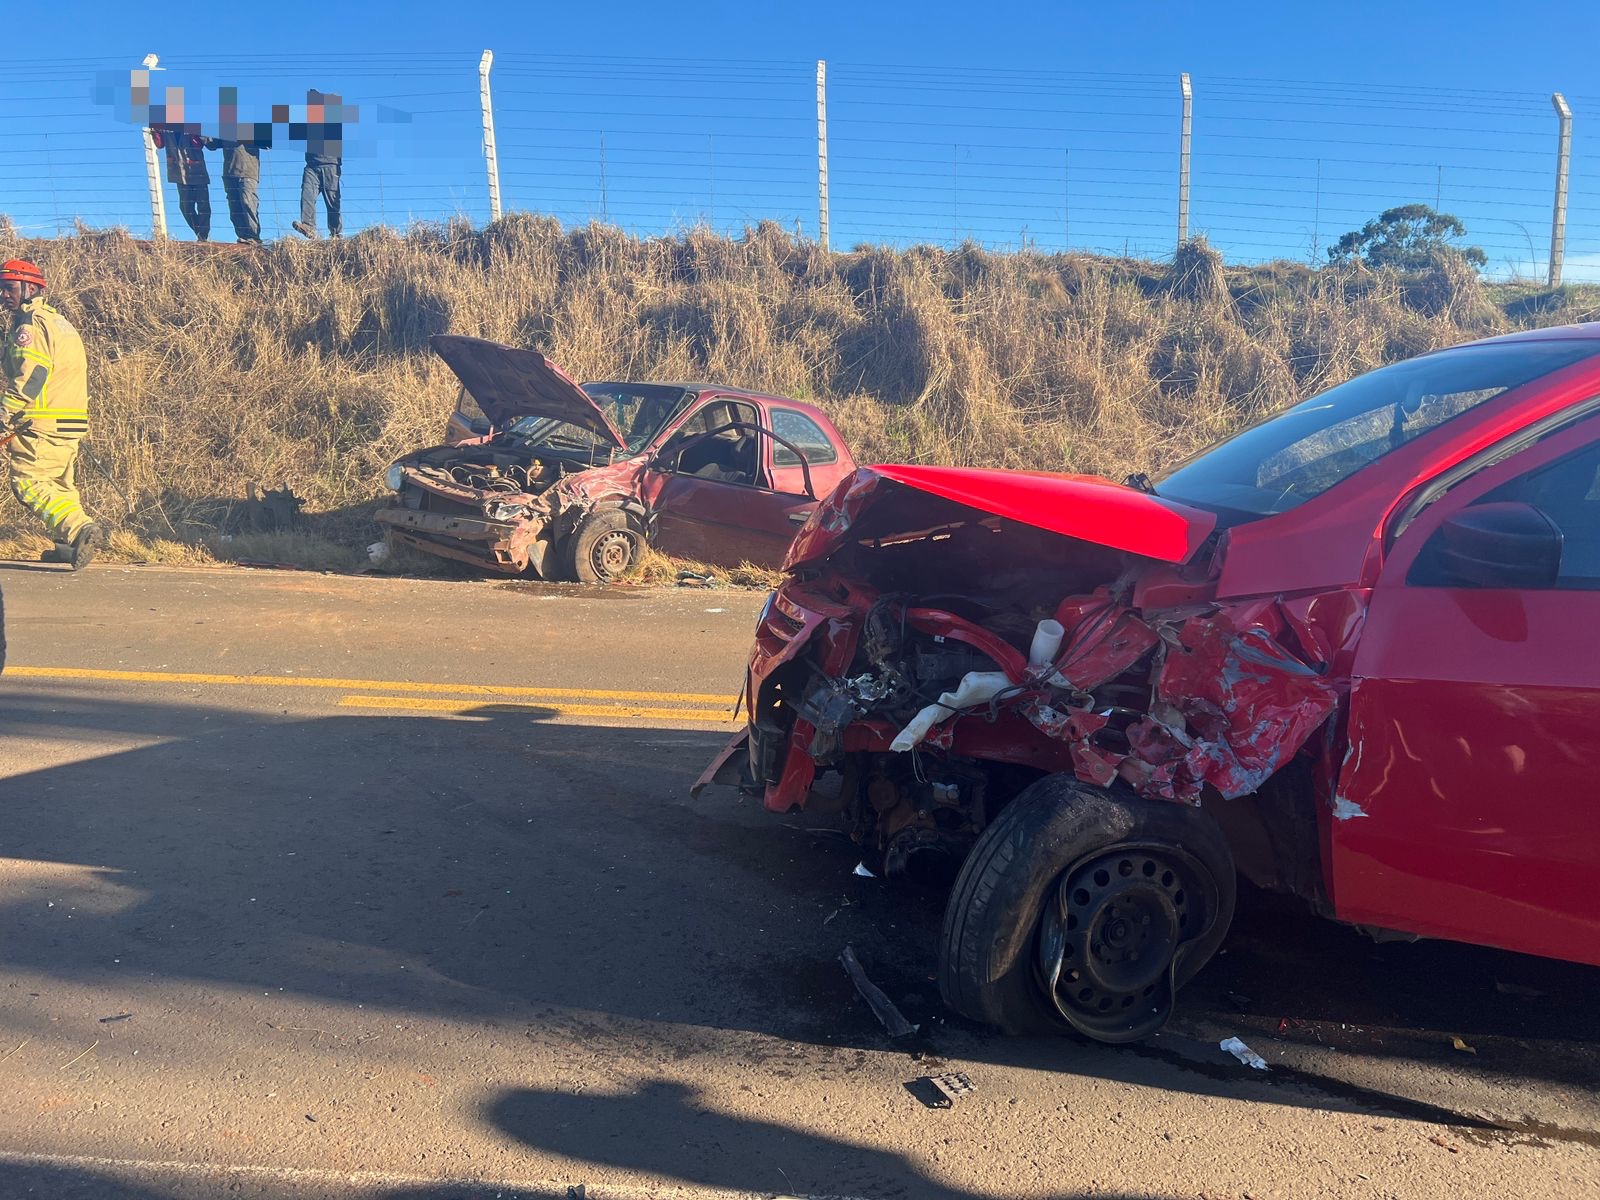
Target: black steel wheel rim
<point>613,553</point>
<point>1112,927</point>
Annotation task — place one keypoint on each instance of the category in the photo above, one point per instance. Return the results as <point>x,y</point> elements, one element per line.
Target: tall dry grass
<point>307,363</point>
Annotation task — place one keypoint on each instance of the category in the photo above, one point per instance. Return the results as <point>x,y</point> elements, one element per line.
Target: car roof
<point>723,389</point>
<point>1552,333</point>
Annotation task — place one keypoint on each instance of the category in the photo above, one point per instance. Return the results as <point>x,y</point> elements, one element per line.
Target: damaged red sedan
<point>1342,653</point>
<point>543,477</point>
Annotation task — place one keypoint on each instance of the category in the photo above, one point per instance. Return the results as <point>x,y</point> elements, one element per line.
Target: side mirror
<point>1510,544</point>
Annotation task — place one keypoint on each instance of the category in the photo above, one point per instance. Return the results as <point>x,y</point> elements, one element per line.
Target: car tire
<point>602,549</point>
<point>1086,909</point>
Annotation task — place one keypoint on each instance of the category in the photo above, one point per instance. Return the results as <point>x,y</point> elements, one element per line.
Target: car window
<point>729,455</point>
<point>1304,451</point>
<point>1567,493</point>
<point>805,433</point>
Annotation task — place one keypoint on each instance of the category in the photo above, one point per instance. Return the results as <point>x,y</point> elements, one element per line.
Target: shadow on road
<point>662,1132</point>
<point>519,868</point>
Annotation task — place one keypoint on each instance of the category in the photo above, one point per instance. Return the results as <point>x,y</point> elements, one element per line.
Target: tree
<point>1405,238</point>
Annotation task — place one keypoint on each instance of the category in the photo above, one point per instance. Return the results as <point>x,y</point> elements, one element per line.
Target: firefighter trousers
<point>42,470</point>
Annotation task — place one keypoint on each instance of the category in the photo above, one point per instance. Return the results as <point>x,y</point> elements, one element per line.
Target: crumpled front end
<point>495,510</point>
<point>936,658</point>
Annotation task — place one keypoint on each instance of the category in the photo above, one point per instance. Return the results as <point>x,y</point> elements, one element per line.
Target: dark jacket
<point>240,160</point>
<point>186,161</point>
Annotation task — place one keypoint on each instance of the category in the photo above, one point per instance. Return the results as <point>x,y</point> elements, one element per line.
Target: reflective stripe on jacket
<point>46,375</point>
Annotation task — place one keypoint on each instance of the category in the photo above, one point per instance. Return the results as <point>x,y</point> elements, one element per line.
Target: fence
<point>850,153</point>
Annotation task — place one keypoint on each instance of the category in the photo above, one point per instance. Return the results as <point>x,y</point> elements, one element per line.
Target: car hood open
<point>1086,507</point>
<point>509,384</point>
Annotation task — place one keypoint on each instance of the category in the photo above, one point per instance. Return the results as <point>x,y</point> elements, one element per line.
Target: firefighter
<point>46,380</point>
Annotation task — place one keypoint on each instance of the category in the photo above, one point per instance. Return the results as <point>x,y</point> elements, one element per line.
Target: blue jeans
<point>324,179</point>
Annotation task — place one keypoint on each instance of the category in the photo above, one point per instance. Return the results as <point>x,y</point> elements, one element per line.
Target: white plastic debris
<point>1243,1053</point>
<point>378,553</point>
<point>975,687</point>
<point>861,870</point>
<point>1046,645</point>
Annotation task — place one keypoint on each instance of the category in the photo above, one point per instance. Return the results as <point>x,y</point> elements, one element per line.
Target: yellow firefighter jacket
<point>46,375</point>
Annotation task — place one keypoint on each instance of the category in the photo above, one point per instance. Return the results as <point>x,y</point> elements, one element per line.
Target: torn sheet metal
<point>1227,706</point>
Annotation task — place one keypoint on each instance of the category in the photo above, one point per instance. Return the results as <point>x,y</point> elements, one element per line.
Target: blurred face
<point>14,294</point>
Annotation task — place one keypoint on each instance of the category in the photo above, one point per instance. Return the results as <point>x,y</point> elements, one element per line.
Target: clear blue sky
<point>1051,123</point>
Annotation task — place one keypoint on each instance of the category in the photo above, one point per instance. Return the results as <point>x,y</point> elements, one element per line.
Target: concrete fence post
<point>1183,157</point>
<point>1558,219</point>
<point>491,162</point>
<point>822,153</point>
<point>141,94</point>
<point>158,199</point>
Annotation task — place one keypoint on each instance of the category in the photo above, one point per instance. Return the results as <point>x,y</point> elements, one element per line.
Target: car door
<point>1466,806</point>
<point>711,499</point>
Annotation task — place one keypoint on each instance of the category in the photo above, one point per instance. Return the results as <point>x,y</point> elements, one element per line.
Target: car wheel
<point>1086,909</point>
<point>603,548</point>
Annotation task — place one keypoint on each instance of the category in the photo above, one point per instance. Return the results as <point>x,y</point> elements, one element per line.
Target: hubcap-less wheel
<point>1110,933</point>
<point>613,553</point>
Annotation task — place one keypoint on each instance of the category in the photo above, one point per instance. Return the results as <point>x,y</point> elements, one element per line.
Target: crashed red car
<point>569,482</point>
<point>1346,653</point>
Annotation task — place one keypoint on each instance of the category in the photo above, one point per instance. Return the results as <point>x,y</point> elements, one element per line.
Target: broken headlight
<point>394,478</point>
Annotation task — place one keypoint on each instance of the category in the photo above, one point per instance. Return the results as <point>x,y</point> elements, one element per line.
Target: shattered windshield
<point>1304,451</point>
<point>638,411</point>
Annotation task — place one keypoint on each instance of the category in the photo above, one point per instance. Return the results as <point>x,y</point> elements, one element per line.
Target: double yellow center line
<point>462,699</point>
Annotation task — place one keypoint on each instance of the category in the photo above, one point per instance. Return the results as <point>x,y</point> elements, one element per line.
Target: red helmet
<point>21,270</point>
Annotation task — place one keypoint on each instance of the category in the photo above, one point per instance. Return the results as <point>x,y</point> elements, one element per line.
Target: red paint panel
<point>1085,507</point>
<point>1466,807</point>
<point>1080,506</point>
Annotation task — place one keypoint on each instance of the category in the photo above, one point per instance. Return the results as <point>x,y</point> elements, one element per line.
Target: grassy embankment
<point>306,364</point>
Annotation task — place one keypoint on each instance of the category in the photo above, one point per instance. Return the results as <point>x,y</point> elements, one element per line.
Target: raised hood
<point>509,383</point>
<point>1085,507</point>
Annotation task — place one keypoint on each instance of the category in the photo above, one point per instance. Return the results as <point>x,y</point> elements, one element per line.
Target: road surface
<point>322,886</point>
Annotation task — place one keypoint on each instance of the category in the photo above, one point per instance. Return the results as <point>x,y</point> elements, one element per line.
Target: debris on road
<point>1518,990</point>
<point>117,1017</point>
<point>941,1091</point>
<point>861,870</point>
<point>891,1018</point>
<point>1243,1053</point>
<point>378,553</point>
<point>699,579</point>
<point>1462,1046</point>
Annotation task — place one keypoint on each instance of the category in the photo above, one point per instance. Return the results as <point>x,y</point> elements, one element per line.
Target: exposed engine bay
<point>920,710</point>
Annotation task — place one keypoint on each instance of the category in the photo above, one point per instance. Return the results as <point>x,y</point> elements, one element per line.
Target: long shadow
<point>662,1132</point>
<point>521,867</point>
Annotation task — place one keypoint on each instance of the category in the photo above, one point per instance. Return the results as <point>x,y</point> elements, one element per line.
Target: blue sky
<point>1055,125</point>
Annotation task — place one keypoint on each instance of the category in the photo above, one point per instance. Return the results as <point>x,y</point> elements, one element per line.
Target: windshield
<point>1304,451</point>
<point>638,411</point>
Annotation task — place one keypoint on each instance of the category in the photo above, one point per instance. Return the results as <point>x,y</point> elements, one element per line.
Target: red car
<point>541,476</point>
<point>1343,653</point>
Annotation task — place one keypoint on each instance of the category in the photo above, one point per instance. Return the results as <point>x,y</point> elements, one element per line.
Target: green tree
<point>1405,239</point>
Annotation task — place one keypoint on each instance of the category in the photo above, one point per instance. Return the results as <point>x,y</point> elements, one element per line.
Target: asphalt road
<point>317,886</point>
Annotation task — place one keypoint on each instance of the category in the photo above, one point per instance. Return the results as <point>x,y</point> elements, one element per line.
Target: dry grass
<point>306,363</point>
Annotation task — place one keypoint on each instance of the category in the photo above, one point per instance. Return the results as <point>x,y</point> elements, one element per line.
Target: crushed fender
<point>1228,706</point>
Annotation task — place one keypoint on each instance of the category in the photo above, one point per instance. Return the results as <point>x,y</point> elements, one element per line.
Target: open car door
<point>710,498</point>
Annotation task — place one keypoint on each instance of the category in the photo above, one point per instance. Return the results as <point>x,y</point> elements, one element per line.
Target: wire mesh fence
<point>916,154</point>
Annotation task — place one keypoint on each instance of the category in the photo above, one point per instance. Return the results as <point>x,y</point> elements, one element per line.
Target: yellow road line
<point>311,681</point>
<point>428,704</point>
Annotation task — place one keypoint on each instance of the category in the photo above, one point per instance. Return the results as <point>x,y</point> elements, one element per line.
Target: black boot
<point>90,539</point>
